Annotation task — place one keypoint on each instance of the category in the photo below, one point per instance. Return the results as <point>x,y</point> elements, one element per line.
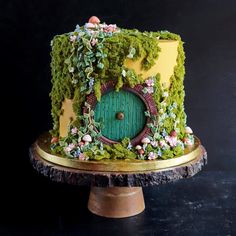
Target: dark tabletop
<point>202,205</point>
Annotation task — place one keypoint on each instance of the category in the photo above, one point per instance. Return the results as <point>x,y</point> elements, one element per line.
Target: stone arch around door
<point>129,93</point>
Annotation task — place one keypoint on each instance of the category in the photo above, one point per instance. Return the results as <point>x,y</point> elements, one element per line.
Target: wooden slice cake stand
<point>116,185</point>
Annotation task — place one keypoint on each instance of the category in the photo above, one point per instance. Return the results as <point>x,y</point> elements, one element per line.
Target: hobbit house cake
<point>118,94</point>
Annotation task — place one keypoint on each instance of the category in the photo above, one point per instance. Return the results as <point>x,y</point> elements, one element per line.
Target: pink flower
<point>154,143</point>
<point>163,143</point>
<point>70,147</point>
<point>150,90</point>
<point>82,157</point>
<point>171,140</point>
<point>152,156</point>
<point>74,130</point>
<point>149,82</point>
<point>72,38</point>
<point>110,28</point>
<point>94,42</point>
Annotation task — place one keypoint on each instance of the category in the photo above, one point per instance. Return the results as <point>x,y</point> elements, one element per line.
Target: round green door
<point>122,115</point>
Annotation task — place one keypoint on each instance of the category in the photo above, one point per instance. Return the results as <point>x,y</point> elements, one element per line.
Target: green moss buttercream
<point>174,103</point>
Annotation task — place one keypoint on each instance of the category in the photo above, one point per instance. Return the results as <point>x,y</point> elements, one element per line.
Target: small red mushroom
<point>173,133</point>
<point>54,139</point>
<point>94,20</point>
<point>81,143</point>
<point>141,151</point>
<point>185,139</point>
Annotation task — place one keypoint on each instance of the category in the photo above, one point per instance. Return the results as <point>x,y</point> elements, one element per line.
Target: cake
<point>118,94</point>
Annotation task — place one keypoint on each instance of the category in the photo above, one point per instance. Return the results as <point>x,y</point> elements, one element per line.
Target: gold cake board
<point>43,149</point>
<point>116,185</point>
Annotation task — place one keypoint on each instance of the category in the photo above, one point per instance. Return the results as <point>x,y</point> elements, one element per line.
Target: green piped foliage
<point>175,100</point>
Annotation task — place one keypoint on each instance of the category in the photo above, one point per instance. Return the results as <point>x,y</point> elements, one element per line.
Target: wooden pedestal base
<point>116,185</point>
<point>116,202</point>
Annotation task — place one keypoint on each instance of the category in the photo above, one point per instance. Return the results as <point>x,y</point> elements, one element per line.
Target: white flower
<point>174,105</point>
<point>71,69</point>
<point>129,146</point>
<point>73,38</point>
<point>69,148</point>
<point>102,25</point>
<point>94,42</point>
<point>180,143</point>
<point>150,90</point>
<point>165,94</point>
<point>164,133</point>
<point>172,115</point>
<point>123,73</point>
<point>74,130</point>
<point>163,143</point>
<point>132,52</point>
<point>90,25</point>
<point>163,103</point>
<point>74,81</point>
<point>152,156</point>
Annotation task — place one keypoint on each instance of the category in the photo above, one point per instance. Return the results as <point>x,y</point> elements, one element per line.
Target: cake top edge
<point>95,28</point>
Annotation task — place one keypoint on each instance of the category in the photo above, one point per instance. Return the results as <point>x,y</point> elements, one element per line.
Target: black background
<point>202,205</point>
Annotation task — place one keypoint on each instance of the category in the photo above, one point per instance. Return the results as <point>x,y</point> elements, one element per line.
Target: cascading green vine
<point>90,56</point>
<point>170,102</point>
<point>78,64</point>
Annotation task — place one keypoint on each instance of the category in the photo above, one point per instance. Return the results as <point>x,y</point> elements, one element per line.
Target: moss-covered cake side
<point>94,55</point>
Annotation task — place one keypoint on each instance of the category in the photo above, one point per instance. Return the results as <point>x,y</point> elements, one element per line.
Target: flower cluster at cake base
<point>81,140</point>
<point>164,146</point>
